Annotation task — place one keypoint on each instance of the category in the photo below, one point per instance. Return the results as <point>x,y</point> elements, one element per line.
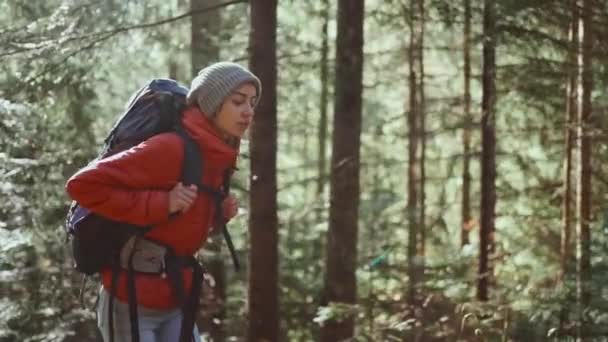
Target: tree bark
<point>416,205</point>
<point>322,132</point>
<point>341,257</point>
<point>422,130</point>
<point>205,29</point>
<point>172,70</point>
<point>413,168</point>
<point>203,51</point>
<point>569,140</point>
<point>583,205</point>
<point>263,288</point>
<point>488,153</point>
<point>466,223</point>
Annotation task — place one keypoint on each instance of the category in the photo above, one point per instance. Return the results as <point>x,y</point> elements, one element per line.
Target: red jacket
<point>133,186</point>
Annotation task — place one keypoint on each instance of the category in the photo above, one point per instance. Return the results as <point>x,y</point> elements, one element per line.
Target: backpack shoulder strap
<point>191,173</point>
<point>193,163</point>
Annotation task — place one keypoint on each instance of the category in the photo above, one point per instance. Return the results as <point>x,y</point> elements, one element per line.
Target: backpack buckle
<point>147,256</point>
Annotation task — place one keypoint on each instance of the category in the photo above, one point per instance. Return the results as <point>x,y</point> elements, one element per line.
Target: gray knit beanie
<point>215,82</point>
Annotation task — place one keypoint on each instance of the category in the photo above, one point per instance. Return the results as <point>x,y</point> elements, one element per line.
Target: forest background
<point>418,170</point>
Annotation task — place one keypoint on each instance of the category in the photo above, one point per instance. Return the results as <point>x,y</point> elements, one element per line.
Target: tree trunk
<point>340,279</point>
<point>322,173</point>
<point>211,319</point>
<point>571,101</point>
<point>172,69</point>
<point>377,225</point>
<point>82,134</point>
<point>583,203</point>
<point>569,141</point>
<point>263,303</point>
<point>412,193</point>
<point>422,130</point>
<point>203,51</point>
<point>322,133</point>
<point>466,224</point>
<point>205,30</point>
<point>488,152</point>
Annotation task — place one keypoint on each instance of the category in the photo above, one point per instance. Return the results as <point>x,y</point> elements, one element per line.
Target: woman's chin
<point>239,132</point>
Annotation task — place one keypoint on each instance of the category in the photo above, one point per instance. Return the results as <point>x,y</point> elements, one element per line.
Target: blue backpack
<point>97,241</point>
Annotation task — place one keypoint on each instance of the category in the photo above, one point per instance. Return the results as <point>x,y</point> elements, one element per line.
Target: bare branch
<point>104,35</point>
<point>99,37</point>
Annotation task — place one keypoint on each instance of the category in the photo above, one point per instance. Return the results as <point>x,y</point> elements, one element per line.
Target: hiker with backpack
<point>158,189</point>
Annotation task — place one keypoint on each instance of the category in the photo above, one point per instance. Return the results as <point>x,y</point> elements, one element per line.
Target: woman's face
<point>236,112</point>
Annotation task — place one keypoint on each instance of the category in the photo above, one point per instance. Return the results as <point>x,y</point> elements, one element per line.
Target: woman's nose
<point>248,111</point>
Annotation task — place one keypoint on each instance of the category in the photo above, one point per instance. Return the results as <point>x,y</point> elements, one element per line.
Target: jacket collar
<point>213,147</point>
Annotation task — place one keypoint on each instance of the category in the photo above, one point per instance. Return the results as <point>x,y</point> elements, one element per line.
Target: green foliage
<point>335,312</point>
<point>68,68</point>
<point>35,159</point>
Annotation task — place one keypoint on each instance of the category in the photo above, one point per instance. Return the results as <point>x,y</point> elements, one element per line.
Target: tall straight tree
<point>204,32</point>
<point>583,203</point>
<point>263,303</point>
<point>340,277</point>
<point>488,151</point>
<point>172,70</point>
<point>466,135</point>
<point>571,106</point>
<point>322,133</point>
<point>203,51</point>
<point>422,130</point>
<point>569,141</point>
<point>413,140</point>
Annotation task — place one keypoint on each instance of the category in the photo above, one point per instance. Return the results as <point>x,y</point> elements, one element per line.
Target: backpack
<point>97,241</point>
<point>155,108</point>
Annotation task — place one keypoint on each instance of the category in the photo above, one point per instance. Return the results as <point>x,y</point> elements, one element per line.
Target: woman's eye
<point>238,102</point>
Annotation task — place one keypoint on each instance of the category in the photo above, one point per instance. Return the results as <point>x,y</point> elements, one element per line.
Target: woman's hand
<point>181,198</point>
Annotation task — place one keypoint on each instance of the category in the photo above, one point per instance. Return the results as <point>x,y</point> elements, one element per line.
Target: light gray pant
<point>154,325</point>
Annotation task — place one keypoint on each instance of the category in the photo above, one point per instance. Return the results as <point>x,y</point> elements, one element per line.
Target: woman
<point>139,186</point>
